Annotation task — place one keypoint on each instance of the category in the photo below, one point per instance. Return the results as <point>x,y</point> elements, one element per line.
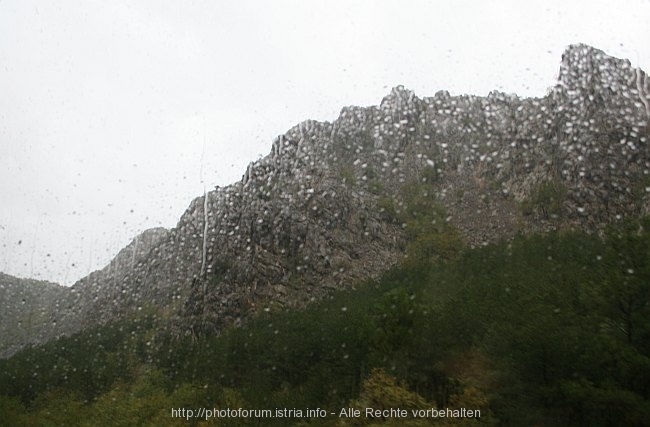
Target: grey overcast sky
<point>110,110</point>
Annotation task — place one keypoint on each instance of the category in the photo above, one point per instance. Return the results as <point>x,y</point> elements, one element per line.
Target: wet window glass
<point>324,213</point>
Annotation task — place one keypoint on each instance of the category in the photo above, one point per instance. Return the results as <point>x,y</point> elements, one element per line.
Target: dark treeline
<point>541,330</point>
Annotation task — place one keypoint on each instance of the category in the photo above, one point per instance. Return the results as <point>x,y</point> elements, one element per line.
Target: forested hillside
<point>540,330</point>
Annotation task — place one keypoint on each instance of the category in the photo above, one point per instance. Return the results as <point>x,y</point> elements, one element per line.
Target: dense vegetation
<point>542,330</point>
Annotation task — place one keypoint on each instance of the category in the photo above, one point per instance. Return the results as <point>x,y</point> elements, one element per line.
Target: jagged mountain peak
<point>325,208</point>
<point>401,99</point>
<point>586,68</point>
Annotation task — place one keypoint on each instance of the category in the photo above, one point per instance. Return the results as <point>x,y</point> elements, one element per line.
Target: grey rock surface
<point>311,216</point>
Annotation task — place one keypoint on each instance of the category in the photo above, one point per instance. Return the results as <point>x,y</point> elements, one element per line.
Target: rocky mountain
<point>326,208</point>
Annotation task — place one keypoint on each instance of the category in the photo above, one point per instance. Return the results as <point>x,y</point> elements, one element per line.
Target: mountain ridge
<point>326,207</point>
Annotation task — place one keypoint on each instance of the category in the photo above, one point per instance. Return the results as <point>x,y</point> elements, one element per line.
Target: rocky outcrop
<point>318,212</point>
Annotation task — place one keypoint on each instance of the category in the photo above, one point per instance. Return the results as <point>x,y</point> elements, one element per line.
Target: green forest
<point>547,330</point>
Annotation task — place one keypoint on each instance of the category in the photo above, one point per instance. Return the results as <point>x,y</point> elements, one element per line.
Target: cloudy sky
<point>115,114</point>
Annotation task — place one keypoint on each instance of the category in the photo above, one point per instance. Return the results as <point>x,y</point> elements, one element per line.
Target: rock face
<point>317,213</point>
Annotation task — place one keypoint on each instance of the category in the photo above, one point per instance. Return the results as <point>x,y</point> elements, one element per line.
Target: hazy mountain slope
<point>326,207</point>
<point>26,308</point>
